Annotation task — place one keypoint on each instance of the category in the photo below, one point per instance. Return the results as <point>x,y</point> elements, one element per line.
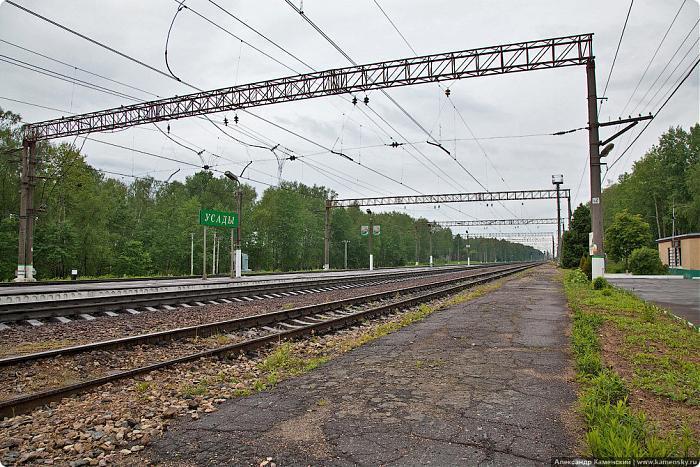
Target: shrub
<point>586,265</point>
<point>577,277</point>
<point>599,283</point>
<point>646,260</point>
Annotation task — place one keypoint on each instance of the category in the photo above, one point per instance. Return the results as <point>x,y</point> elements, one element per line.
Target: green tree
<point>627,233</point>
<point>574,243</point>
<point>132,259</point>
<point>646,260</point>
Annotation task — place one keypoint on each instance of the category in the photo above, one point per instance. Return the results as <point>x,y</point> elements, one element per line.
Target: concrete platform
<point>681,297</point>
<point>486,382</point>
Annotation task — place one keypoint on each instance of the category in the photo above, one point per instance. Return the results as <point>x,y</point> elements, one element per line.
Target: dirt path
<point>487,381</point>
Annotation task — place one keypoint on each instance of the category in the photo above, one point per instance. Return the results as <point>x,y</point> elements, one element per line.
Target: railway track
<point>269,328</point>
<point>52,305</point>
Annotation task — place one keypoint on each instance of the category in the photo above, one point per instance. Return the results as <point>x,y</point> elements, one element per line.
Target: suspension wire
<point>653,57</point>
<point>246,25</point>
<point>457,111</point>
<point>329,176</point>
<point>617,50</point>
<point>167,40</point>
<point>63,77</point>
<point>216,25</point>
<point>383,91</point>
<point>687,75</point>
<point>687,53</point>
<point>100,44</point>
<point>78,68</point>
<point>313,69</point>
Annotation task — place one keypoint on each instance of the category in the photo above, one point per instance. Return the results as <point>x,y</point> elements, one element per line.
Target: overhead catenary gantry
<point>485,196</point>
<point>556,52</point>
<point>488,222</point>
<point>531,235</point>
<point>479,196</point>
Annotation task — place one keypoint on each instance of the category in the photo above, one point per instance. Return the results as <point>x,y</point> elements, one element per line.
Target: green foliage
<point>576,276</point>
<point>667,176</point>
<point>614,429</point>
<point>197,389</point>
<point>627,233</point>
<point>105,227</point>
<point>599,283</point>
<point>646,260</point>
<point>574,243</point>
<point>586,266</point>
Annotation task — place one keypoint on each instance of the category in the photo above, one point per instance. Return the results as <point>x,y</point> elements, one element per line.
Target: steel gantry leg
<point>25,252</point>
<point>598,260</point>
<point>327,238</point>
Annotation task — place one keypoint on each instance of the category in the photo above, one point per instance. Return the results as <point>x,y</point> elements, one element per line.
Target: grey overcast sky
<point>509,105</point>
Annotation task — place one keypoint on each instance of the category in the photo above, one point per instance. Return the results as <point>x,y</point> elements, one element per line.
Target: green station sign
<point>214,218</point>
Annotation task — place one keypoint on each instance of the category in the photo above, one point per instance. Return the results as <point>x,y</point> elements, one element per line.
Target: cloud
<point>524,103</point>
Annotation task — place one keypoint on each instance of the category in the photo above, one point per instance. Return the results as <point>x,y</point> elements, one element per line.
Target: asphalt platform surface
<point>680,296</point>
<point>487,382</point>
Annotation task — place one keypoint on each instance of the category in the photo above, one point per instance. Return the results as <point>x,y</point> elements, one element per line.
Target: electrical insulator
<point>168,128</point>
<point>354,101</point>
<point>447,92</point>
<point>205,167</point>
<point>235,119</point>
<point>225,121</point>
<point>366,100</point>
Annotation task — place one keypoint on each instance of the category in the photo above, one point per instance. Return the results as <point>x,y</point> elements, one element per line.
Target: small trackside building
<point>681,254</point>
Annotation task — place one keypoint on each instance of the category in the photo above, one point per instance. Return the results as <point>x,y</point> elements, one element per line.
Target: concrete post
<point>204,254</point>
<point>327,237</point>
<point>369,239</point>
<point>598,259</point>
<point>25,251</point>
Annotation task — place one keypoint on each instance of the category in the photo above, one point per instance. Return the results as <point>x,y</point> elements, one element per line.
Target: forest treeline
<point>659,194</point>
<point>107,227</point>
<point>666,178</point>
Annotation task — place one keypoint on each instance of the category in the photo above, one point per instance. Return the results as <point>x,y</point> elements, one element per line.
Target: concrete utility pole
<point>191,254</point>
<point>213,255</point>
<point>25,256</point>
<point>239,245</point>
<point>598,253</point>
<point>232,265</point>
<point>345,263</point>
<point>431,246</point>
<point>369,239</point>
<point>239,203</point>
<point>327,237</point>
<point>415,228</point>
<point>557,180</point>
<point>218,254</point>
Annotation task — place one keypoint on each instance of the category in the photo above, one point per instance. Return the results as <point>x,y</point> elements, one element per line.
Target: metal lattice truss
<point>486,222</point>
<point>485,196</point>
<point>509,58</point>
<point>515,235</point>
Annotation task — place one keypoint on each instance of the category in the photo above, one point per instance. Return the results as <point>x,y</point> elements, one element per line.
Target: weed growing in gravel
<point>614,428</point>
<point>142,386</point>
<point>192,390</point>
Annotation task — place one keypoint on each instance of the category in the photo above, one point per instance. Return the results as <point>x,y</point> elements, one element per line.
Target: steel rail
<point>208,329</point>
<point>76,306</point>
<point>22,404</point>
<point>254,274</point>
